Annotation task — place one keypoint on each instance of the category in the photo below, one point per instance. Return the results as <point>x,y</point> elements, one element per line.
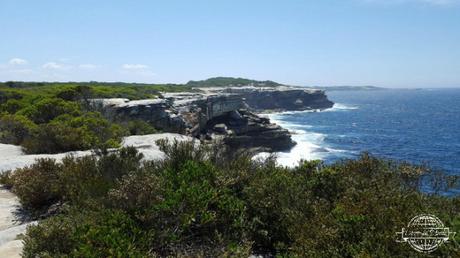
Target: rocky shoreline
<point>208,114</point>
<point>229,114</point>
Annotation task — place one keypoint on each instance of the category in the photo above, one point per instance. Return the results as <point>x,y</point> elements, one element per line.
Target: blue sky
<point>390,43</point>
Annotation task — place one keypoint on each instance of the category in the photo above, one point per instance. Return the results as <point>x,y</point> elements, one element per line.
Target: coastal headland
<point>226,113</point>
<point>219,109</point>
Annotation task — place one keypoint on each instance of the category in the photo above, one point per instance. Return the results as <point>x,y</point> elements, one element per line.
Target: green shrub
<point>55,138</point>
<point>136,193</point>
<point>9,94</point>
<point>52,237</point>
<point>96,129</point>
<point>280,204</point>
<point>67,133</point>
<point>201,201</point>
<point>6,179</point>
<point>47,109</point>
<point>12,106</point>
<point>114,166</point>
<point>66,120</point>
<point>198,205</point>
<point>139,127</point>
<point>109,234</point>
<point>189,210</point>
<point>178,153</point>
<point>15,128</point>
<point>75,180</point>
<point>80,179</point>
<point>75,93</point>
<point>37,186</point>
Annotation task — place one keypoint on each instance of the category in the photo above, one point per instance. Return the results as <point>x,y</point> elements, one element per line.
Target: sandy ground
<point>10,245</point>
<point>12,157</point>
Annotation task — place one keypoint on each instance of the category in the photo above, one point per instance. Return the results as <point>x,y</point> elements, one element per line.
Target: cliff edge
<point>225,113</point>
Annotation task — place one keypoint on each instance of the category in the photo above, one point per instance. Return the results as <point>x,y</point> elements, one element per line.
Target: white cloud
<point>58,70</point>
<point>134,67</point>
<point>88,66</point>
<point>137,71</point>
<point>18,61</point>
<point>55,66</point>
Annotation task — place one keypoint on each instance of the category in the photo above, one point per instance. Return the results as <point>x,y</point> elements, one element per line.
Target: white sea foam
<point>288,112</point>
<point>308,148</point>
<point>340,107</point>
<point>310,145</point>
<point>335,107</point>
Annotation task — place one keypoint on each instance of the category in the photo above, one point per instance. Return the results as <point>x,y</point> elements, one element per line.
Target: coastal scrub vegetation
<point>205,201</point>
<point>58,117</point>
<point>47,117</point>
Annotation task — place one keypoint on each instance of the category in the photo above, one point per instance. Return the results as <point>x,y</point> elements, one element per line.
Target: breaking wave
<point>310,145</point>
<point>340,107</point>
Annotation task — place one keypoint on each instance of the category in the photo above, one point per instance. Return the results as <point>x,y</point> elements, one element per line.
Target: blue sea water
<point>420,126</point>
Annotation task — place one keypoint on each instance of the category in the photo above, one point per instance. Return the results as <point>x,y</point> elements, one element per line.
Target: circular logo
<point>425,233</point>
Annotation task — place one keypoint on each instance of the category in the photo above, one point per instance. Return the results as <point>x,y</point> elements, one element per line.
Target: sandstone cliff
<point>221,113</point>
<point>282,98</point>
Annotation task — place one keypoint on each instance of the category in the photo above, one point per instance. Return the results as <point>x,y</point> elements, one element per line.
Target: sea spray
<point>310,145</point>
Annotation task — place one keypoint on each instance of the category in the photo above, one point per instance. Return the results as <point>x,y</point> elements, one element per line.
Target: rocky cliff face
<point>244,129</point>
<point>221,113</point>
<point>287,100</point>
<point>281,98</point>
<point>158,112</point>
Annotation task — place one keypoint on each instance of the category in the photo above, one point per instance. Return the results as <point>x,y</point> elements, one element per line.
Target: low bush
<point>74,181</point>
<point>139,127</point>
<point>47,109</point>
<point>58,117</point>
<point>6,180</point>
<point>67,133</point>
<point>109,234</point>
<point>37,186</point>
<point>202,201</point>
<point>52,237</point>
<point>12,106</point>
<point>15,128</point>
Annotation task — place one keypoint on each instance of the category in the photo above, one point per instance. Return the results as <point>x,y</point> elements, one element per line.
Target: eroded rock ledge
<point>226,113</point>
<point>282,98</point>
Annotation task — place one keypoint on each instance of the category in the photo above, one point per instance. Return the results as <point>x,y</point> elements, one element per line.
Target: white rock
<point>9,227</point>
<point>147,146</point>
<point>110,101</point>
<point>12,157</point>
<point>11,249</point>
<point>8,204</point>
<point>142,102</point>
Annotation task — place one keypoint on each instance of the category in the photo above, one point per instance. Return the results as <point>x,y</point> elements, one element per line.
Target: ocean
<point>419,126</point>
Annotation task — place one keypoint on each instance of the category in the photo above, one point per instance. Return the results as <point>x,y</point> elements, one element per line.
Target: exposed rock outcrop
<point>13,157</point>
<point>227,113</point>
<point>283,98</point>
<point>244,129</point>
<point>158,112</point>
<point>10,226</point>
<point>287,100</point>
